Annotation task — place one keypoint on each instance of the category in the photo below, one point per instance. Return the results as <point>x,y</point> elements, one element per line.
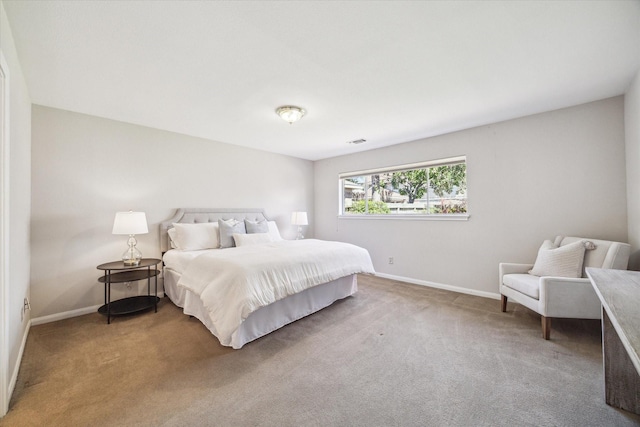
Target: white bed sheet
<point>278,314</point>
<point>266,319</point>
<point>178,260</point>
<point>261,320</point>
<point>235,282</point>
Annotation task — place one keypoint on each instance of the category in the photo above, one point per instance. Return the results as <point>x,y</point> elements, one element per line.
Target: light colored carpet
<point>393,354</point>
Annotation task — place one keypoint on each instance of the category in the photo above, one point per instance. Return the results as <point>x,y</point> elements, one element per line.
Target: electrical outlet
<point>25,306</point>
<point>390,260</point>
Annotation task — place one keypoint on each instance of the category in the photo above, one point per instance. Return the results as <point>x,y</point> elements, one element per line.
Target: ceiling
<point>386,71</point>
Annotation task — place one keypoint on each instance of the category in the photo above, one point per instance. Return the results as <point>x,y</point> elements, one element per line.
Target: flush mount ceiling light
<point>290,113</point>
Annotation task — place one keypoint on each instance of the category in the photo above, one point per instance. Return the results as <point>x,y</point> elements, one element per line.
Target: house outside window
<point>430,189</point>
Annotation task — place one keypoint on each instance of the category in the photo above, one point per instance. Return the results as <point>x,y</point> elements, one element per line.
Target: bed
<point>245,291</point>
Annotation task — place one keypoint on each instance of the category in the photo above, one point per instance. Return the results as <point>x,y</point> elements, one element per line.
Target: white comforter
<point>232,283</point>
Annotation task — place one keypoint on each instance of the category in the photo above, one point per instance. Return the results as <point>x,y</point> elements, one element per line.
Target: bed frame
<point>266,319</point>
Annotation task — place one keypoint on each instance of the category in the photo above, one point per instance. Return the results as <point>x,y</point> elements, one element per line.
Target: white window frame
<point>400,168</point>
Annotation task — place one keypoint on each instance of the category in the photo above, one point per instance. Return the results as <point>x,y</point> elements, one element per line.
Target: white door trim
<point>4,235</point>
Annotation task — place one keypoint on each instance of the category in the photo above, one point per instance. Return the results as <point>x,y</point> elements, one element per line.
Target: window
<point>428,189</point>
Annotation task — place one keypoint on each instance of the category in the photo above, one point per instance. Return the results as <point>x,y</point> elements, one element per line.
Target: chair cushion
<point>524,283</point>
<point>563,261</point>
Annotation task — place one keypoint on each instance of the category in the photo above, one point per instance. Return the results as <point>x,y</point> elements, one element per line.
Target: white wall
<point>19,197</point>
<point>632,138</point>
<point>529,179</point>
<point>86,168</point>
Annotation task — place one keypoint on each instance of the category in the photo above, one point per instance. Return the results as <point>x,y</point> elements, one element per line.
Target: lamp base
<point>132,256</point>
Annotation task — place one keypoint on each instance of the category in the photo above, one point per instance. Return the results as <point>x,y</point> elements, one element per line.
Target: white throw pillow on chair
<point>563,261</point>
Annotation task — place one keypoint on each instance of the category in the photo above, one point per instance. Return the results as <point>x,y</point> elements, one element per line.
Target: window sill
<point>433,217</point>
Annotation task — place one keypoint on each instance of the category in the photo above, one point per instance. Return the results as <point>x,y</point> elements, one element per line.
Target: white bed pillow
<point>273,231</point>
<point>227,228</point>
<point>563,261</point>
<point>252,239</point>
<point>256,226</point>
<point>172,237</point>
<point>195,237</point>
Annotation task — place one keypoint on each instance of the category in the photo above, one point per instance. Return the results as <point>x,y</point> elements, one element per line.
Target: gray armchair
<point>562,297</point>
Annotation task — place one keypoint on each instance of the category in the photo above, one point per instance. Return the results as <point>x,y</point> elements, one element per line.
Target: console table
<point>619,293</point>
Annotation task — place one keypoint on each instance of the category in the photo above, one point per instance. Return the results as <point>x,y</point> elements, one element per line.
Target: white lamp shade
<point>130,223</point>
<point>299,218</point>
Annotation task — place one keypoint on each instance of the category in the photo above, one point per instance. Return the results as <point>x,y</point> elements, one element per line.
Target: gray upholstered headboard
<point>199,215</point>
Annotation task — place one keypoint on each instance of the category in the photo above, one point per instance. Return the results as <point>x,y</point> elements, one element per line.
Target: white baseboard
<point>72,313</point>
<point>16,367</point>
<point>458,289</point>
<point>65,315</point>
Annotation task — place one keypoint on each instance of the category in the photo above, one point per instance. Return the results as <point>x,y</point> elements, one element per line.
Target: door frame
<point>4,234</point>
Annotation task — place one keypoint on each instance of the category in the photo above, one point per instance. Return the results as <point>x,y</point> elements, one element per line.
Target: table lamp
<point>130,223</point>
<point>299,219</point>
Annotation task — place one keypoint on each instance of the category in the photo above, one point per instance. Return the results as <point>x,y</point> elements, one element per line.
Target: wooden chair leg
<point>504,303</point>
<point>546,327</point>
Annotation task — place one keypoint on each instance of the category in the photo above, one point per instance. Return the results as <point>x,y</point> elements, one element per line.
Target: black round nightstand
<point>117,272</point>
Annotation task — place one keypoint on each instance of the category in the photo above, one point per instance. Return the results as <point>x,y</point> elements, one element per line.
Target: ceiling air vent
<point>357,141</point>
